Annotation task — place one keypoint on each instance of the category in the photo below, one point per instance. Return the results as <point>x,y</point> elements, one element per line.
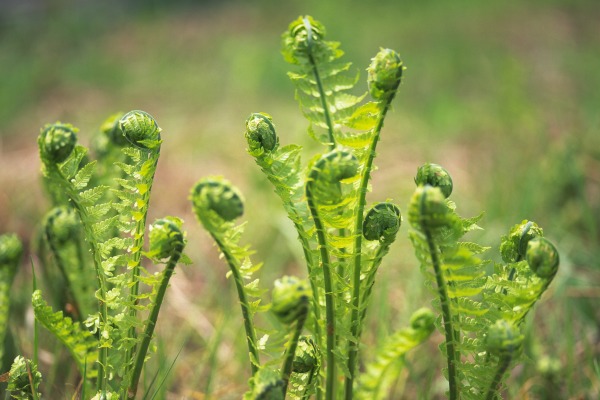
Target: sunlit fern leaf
<point>322,81</point>
<point>82,345</point>
<point>389,361</point>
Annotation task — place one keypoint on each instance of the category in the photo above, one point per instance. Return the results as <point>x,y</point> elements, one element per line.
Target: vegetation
<point>310,339</point>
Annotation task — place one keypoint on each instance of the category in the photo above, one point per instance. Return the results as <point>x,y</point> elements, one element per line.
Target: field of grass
<point>503,94</point>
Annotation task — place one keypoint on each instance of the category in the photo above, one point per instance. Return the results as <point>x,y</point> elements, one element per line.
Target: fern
<point>24,380</point>
<point>322,81</point>
<point>113,221</point>
<point>389,361</point>
<point>217,204</point>
<point>82,345</point>
<point>481,315</point>
<point>11,250</point>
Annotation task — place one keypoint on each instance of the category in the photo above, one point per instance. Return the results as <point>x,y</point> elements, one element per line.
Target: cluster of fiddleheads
<point>481,315</point>
<point>343,242</point>
<point>107,339</point>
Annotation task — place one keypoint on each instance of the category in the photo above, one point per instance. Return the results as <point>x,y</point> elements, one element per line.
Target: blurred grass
<point>504,94</point>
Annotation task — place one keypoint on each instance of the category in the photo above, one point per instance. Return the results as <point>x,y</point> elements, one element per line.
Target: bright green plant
<point>315,341</point>
<point>481,316</point>
<point>11,250</point>
<point>108,338</point>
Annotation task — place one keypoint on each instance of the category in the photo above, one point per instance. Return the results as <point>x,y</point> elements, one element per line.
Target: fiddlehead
<point>281,165</point>
<point>57,142</point>
<point>61,166</point>
<point>454,269</point>
<point>167,241</point>
<point>385,75</point>
<point>542,257</point>
<point>217,204</point>
<point>143,134</point>
<point>140,129</point>
<point>260,135</point>
<point>324,188</point>
<point>306,366</point>
<point>503,341</point>
<point>291,298</point>
<point>382,223</point>
<point>435,175</point>
<point>531,262</point>
<point>11,251</point>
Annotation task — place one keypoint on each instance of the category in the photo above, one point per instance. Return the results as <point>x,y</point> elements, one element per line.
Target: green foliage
<point>80,342</point>
<point>343,242</point>
<point>105,343</point>
<point>383,371</point>
<point>24,380</point>
<point>11,251</point>
<point>471,302</point>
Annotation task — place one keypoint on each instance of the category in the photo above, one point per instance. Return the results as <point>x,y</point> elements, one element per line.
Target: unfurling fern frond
<point>322,80</point>
<point>325,198</point>
<point>217,204</point>
<point>61,160</point>
<point>141,131</point>
<point>80,342</point>
<point>167,241</point>
<point>383,371</point>
<point>481,314</point>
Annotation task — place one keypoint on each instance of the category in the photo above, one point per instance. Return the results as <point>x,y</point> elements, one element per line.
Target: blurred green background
<point>505,95</point>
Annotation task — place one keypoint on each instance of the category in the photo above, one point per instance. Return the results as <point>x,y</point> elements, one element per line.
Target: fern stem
<point>329,298</point>
<point>355,319</point>
<point>313,64</point>
<point>370,281</point>
<point>446,314</point>
<point>90,238</point>
<point>151,323</point>
<point>502,367</point>
<point>245,305</point>
<point>290,353</point>
<point>134,264</point>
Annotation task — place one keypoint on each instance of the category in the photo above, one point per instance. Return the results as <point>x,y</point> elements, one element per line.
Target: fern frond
<point>82,345</point>
<point>381,373</point>
<point>217,204</point>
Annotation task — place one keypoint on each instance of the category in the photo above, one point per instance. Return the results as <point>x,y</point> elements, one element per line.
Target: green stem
<point>90,238</point>
<point>290,352</point>
<point>446,314</point>
<point>502,367</point>
<point>355,320</point>
<point>151,323</point>
<point>319,86</point>
<point>329,298</point>
<point>245,305</point>
<point>136,257</point>
<point>370,281</point>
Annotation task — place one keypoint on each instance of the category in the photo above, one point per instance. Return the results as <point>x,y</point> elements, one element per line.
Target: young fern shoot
<point>481,315</point>
<point>166,242</point>
<point>217,204</point>
<point>290,304</point>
